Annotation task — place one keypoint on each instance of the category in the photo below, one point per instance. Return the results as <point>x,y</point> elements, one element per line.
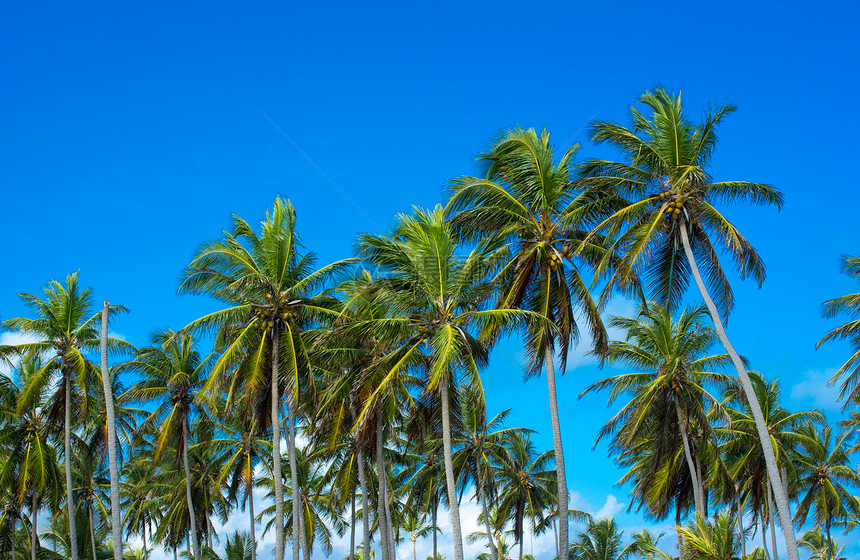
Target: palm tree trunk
<point>253,522</point>
<point>479,477</point>
<point>392,546</point>
<point>188,543</point>
<point>563,534</point>
<point>145,551</point>
<point>175,554</point>
<point>780,497</point>
<point>414,549</point>
<point>352,530</point>
<point>521,546</point>
<point>697,489</point>
<point>365,515</point>
<point>34,533</point>
<point>433,514</point>
<point>829,542</point>
<point>306,550</point>
<point>771,519</point>
<point>113,465</point>
<point>764,539</point>
<point>741,525</point>
<point>380,499</point>
<point>92,532</point>
<point>276,454</point>
<point>14,528</point>
<point>192,518</point>
<point>298,535</point>
<point>453,506</point>
<point>67,449</point>
<point>677,532</point>
<point>555,535</point>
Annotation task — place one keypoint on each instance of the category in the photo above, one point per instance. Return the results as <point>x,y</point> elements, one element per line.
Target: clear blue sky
<point>131,132</point>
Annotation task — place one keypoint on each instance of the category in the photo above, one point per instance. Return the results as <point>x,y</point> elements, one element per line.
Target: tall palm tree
<point>173,373</point>
<point>663,223</point>
<point>30,470</point>
<point>437,292</point>
<point>273,294</point>
<point>529,199</point>
<point>824,470</point>
<point>66,327</point>
<point>113,461</point>
<point>673,370</point>
<point>527,482</point>
<point>848,305</point>
<point>601,541</point>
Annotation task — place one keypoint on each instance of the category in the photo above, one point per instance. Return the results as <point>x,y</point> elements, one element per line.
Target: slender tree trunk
<point>145,551</point>
<point>740,506</point>
<point>780,497</point>
<point>34,532</point>
<point>479,477</point>
<point>294,478</point>
<point>253,522</point>
<point>677,532</point>
<point>113,464</point>
<point>276,454</point>
<point>380,499</point>
<point>352,530</point>
<point>771,519</point>
<point>433,514</point>
<point>563,534</point>
<point>306,550</point>
<point>414,549</point>
<point>188,543</point>
<point>830,547</point>
<point>449,473</point>
<point>764,539</point>
<point>208,531</point>
<point>691,465</point>
<point>175,554</point>
<point>67,449</point>
<point>365,514</point>
<point>192,518</point>
<point>392,545</point>
<point>521,545</point>
<point>14,529</point>
<point>555,535</point>
<point>92,532</point>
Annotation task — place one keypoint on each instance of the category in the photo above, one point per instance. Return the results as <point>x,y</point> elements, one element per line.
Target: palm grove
<point>368,371</point>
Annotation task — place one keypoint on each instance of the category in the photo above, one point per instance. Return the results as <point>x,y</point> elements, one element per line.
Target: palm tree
<point>824,467</point>
<point>530,200</point>
<point>663,223</point>
<point>479,443</point>
<point>821,547</point>
<point>527,482</point>
<point>741,449</point>
<point>846,305</point>
<point>646,546</point>
<point>415,525</point>
<point>65,326</point>
<point>711,541</point>
<point>601,541</point>
<point>116,514</point>
<point>272,293</point>
<point>673,371</point>
<point>30,470</point>
<point>436,292</point>
<point>173,373</point>
<point>242,449</point>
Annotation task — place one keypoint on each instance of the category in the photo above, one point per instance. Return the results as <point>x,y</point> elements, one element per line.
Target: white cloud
<point>610,508</point>
<point>814,390</point>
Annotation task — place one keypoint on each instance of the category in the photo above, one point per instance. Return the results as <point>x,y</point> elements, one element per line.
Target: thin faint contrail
<point>318,168</point>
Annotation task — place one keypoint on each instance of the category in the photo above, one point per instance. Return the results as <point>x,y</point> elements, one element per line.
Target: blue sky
<point>130,133</point>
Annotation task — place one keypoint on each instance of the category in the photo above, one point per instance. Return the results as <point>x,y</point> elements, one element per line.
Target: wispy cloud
<point>813,390</point>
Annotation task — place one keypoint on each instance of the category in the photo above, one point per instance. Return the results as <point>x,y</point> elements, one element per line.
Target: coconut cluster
<point>674,207</point>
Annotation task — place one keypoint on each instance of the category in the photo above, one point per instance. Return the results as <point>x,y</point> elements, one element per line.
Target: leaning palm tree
<point>274,294</point>
<point>110,414</point>
<point>528,198</point>
<point>437,293</point>
<point>664,224</point>
<point>173,373</point>
<point>673,371</point>
<point>66,326</point>
<point>848,305</point>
